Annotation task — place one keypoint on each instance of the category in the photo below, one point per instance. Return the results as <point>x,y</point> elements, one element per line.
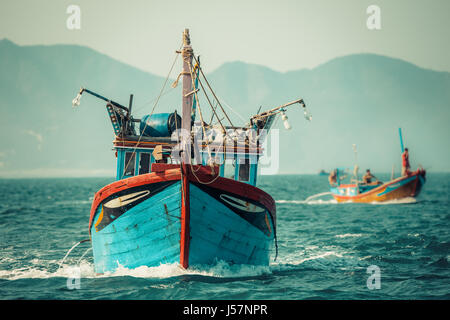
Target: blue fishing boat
<point>185,190</point>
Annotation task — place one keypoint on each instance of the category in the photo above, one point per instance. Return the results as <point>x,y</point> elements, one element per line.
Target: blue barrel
<point>160,124</point>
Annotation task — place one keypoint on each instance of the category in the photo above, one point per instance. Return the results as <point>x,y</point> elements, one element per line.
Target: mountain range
<point>359,99</point>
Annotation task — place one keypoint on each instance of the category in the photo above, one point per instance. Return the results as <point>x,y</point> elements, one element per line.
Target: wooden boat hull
<point>170,217</point>
<point>400,188</point>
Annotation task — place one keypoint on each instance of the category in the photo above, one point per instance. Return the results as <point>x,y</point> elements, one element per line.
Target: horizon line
<point>113,176</point>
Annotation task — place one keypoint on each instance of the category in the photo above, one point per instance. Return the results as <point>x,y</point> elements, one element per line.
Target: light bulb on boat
<point>76,101</point>
<point>308,116</point>
<point>285,120</point>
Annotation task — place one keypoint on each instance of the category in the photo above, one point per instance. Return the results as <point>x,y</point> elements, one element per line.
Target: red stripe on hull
<point>185,219</point>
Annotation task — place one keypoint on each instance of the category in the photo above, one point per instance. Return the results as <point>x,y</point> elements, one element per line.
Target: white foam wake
<point>397,201</point>
<point>407,200</point>
<point>220,269</point>
<point>45,269</point>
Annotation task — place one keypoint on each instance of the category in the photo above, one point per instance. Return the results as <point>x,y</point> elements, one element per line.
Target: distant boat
<point>323,173</point>
<point>195,209</point>
<point>403,187</point>
<point>406,186</point>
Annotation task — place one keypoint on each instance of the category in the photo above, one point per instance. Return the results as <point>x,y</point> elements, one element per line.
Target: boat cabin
<point>132,161</point>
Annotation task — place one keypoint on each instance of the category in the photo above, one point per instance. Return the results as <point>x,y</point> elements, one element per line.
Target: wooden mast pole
<point>187,54</point>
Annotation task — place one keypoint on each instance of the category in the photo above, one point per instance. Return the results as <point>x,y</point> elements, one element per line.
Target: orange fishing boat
<point>408,186</point>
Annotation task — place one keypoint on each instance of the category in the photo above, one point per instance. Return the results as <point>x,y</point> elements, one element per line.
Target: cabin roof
<point>145,142</point>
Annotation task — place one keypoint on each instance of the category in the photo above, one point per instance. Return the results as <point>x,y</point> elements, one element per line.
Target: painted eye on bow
<point>126,199</point>
<point>241,204</point>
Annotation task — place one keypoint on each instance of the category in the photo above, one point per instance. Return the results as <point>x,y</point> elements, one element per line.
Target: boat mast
<point>187,54</point>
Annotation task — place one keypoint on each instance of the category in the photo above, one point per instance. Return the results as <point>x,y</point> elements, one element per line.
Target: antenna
<point>356,152</point>
<point>129,106</point>
<point>401,139</point>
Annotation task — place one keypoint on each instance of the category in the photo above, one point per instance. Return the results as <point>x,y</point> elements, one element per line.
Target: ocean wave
<point>220,269</point>
<point>300,258</point>
<point>347,235</point>
<point>319,201</point>
<point>71,202</point>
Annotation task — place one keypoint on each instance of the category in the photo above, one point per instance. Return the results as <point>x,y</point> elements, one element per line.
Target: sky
<point>283,35</point>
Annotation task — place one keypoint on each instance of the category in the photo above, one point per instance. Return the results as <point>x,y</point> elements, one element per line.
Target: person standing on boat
<point>332,178</point>
<point>367,179</point>
<point>405,163</point>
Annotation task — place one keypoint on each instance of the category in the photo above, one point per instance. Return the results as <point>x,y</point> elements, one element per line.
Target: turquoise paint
<point>253,173</point>
<point>159,124</point>
<point>136,163</point>
<point>146,235</point>
<point>396,185</point>
<point>219,233</point>
<point>149,235</point>
<point>422,180</point>
<point>121,161</point>
<point>349,191</point>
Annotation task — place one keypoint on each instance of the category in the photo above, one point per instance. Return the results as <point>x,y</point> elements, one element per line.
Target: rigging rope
<point>203,129</point>
<point>316,196</point>
<point>212,108</point>
<point>229,107</point>
<point>153,109</point>
<point>212,91</point>
<point>212,115</point>
<point>199,110</point>
<point>82,256</point>
<point>148,102</point>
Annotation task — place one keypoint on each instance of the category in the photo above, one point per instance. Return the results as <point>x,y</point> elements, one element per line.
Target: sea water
<point>326,250</point>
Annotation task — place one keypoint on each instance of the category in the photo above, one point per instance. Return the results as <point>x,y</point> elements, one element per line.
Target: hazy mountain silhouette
<point>360,99</point>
